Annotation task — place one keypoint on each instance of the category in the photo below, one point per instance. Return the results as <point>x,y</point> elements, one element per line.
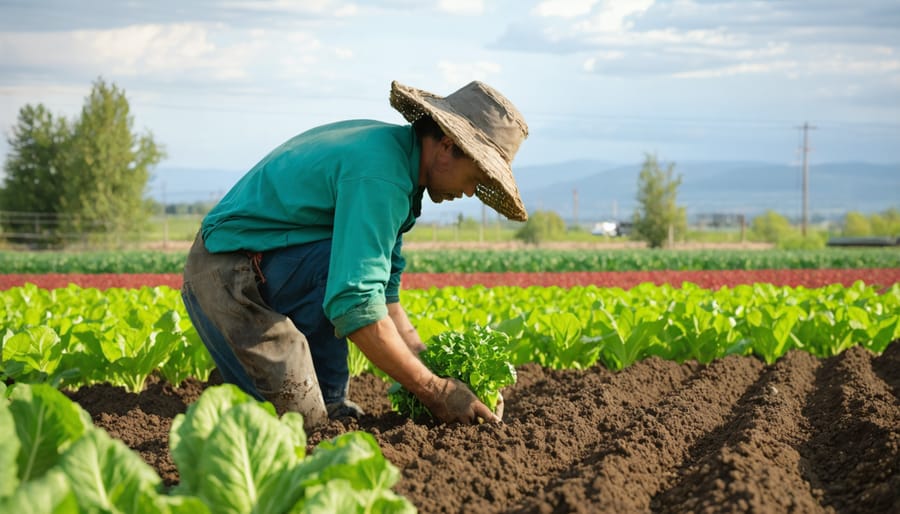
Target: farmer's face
<point>451,177</point>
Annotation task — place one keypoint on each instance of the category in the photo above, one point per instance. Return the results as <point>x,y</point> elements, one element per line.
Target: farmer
<point>304,251</point>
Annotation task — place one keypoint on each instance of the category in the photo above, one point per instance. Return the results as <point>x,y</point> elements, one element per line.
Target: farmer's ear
<point>447,144</point>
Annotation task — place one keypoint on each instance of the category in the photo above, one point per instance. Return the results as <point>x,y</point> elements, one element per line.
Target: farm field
<point>801,434</point>
<point>736,435</point>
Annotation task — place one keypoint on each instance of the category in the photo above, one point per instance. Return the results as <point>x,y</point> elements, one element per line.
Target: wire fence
<point>53,231</point>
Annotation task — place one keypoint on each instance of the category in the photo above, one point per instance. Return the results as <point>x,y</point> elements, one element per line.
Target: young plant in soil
<point>478,357</point>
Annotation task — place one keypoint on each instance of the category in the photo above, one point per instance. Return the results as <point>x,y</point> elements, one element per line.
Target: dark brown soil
<point>802,435</point>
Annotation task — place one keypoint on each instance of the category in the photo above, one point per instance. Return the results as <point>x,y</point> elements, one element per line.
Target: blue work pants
<point>261,318</point>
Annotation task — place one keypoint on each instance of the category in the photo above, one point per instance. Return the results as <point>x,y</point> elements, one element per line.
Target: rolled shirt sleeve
<point>368,215</point>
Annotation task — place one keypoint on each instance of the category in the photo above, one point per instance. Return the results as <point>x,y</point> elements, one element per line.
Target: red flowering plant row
<point>710,279</point>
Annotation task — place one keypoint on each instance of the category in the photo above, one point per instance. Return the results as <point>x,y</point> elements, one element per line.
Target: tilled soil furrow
<point>887,366</point>
<point>854,453</point>
<point>654,437</point>
<point>636,463</point>
<point>751,463</point>
<point>548,413</point>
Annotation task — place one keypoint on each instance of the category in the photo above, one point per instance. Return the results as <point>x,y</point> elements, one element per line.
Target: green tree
<point>657,210</point>
<point>886,223</point>
<point>34,166</point>
<point>771,227</point>
<point>541,226</point>
<point>857,224</point>
<point>108,165</point>
<point>89,174</point>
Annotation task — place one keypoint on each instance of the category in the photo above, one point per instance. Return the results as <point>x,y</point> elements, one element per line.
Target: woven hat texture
<point>485,125</point>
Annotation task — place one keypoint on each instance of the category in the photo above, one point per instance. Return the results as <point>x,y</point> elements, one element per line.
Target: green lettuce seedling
<point>479,357</point>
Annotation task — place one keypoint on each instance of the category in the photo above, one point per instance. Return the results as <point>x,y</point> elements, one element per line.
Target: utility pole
<point>483,223</point>
<point>806,128</point>
<point>575,207</point>
<point>165,218</point>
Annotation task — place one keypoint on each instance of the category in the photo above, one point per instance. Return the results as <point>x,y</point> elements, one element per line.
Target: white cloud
<point>589,24</point>
<point>590,64</point>
<point>300,57</point>
<point>130,51</point>
<point>288,64</point>
<point>164,52</point>
<point>563,8</point>
<point>691,39</point>
<point>855,64</point>
<point>613,16</point>
<point>464,7</point>
<point>738,69</point>
<point>459,74</point>
<point>318,7</point>
<point>347,11</point>
<point>839,91</point>
<point>800,61</point>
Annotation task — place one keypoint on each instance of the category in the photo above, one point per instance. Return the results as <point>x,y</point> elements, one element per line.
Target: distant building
<point>715,220</point>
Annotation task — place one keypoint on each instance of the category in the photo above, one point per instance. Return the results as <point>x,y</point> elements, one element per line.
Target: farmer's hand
<point>451,401</point>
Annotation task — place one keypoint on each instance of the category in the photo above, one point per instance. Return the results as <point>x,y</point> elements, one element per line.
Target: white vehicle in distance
<point>612,228</point>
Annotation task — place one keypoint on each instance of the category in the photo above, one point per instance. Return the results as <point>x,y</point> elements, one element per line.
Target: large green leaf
<point>107,476</point>
<point>354,456</point>
<point>347,474</point>
<point>49,494</point>
<point>247,448</point>
<point>190,431</point>
<point>9,450</point>
<point>46,424</point>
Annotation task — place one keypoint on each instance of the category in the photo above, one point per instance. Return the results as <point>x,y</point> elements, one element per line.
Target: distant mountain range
<point>593,190</point>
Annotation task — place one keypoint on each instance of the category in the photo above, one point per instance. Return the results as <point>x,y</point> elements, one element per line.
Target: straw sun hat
<point>485,125</point>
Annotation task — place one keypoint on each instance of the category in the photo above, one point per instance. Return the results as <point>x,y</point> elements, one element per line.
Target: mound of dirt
<point>802,435</point>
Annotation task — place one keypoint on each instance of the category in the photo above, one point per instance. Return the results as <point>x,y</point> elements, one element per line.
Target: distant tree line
<point>199,208</point>
<point>886,223</point>
<point>88,174</point>
<point>658,219</point>
<point>772,227</point>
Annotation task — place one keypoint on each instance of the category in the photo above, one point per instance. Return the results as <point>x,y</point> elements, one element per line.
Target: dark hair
<point>425,126</point>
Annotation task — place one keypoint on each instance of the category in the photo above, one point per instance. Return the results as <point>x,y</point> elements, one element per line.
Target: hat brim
<point>500,191</point>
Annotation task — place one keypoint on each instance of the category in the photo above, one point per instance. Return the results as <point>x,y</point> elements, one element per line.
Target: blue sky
<point>219,83</point>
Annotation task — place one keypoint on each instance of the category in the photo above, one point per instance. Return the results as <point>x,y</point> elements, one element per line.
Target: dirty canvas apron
<point>254,347</point>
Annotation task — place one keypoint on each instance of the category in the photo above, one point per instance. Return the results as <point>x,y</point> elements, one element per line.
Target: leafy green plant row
<point>76,336</point>
<point>130,261</point>
<point>79,336</point>
<point>532,260</point>
<point>233,455</point>
<point>538,260</point>
<point>579,327</point>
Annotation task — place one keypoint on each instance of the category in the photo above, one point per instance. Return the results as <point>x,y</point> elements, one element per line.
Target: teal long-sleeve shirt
<point>354,182</point>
